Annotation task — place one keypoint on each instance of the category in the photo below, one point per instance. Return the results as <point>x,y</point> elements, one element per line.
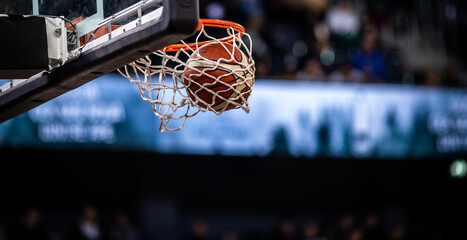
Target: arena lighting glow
<point>458,169</point>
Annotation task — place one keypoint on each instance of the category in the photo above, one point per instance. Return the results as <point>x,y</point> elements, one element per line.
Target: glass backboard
<point>87,14</point>
<point>108,34</point>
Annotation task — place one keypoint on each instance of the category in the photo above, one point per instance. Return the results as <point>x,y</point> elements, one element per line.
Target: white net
<point>180,84</point>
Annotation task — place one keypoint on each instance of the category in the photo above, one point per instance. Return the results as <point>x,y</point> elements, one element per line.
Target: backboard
<point>102,35</point>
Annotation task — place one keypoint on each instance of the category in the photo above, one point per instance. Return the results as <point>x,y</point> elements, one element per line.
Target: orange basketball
<point>218,75</point>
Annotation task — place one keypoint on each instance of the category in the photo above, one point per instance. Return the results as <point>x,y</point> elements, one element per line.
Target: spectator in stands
<point>215,10</point>
<point>261,51</point>
<point>285,231</point>
<point>263,69</point>
<point>346,227</point>
<point>88,227</point>
<point>369,59</point>
<point>199,231</point>
<point>432,78</point>
<point>317,7</point>
<point>311,231</point>
<point>312,71</point>
<point>356,234</point>
<point>322,38</point>
<point>397,233</point>
<point>346,73</point>
<point>344,24</point>
<point>372,230</point>
<point>252,9</point>
<point>451,75</point>
<point>123,229</point>
<point>30,227</point>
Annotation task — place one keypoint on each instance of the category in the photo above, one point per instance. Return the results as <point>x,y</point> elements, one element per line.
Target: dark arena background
<point>357,131</point>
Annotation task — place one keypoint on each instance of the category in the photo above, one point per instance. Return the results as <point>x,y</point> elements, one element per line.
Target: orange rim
<point>209,23</point>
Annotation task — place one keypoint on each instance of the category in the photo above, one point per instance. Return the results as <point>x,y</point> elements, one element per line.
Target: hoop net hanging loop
<point>160,78</point>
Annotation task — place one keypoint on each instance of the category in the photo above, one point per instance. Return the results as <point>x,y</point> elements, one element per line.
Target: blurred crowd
<point>327,40</point>
<point>89,226</point>
<point>344,227</point>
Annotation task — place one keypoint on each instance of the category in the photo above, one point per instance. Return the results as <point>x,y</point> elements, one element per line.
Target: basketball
<point>218,77</point>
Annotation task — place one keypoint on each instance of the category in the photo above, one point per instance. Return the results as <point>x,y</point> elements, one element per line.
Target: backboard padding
<point>29,33</point>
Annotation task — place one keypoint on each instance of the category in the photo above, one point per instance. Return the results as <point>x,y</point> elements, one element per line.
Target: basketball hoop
<point>210,23</point>
<point>176,96</point>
